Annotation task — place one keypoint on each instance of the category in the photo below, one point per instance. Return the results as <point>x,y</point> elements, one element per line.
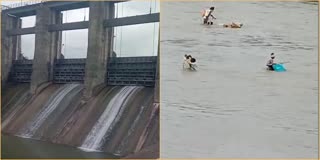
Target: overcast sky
<point>133,40</point>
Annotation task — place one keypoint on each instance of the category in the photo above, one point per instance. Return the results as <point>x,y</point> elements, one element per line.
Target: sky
<point>75,42</point>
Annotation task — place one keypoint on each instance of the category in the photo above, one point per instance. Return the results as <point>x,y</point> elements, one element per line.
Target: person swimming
<point>233,25</point>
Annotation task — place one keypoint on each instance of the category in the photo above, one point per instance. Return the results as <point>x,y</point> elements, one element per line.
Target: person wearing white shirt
<point>208,16</point>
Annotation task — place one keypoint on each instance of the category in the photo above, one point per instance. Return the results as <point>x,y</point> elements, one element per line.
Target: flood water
<point>232,107</point>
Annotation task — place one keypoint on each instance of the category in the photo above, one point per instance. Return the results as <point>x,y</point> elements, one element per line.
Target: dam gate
<point>49,64</point>
<point>120,71</point>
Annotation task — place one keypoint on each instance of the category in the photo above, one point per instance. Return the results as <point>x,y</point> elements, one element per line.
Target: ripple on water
<point>179,41</point>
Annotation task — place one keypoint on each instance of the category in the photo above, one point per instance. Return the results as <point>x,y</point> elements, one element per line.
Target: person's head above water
<point>272,55</point>
<point>212,8</point>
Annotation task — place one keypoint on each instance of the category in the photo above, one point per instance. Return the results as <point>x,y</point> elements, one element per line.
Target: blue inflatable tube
<point>278,68</point>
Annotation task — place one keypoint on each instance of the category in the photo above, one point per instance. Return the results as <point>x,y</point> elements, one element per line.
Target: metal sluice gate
<point>139,71</point>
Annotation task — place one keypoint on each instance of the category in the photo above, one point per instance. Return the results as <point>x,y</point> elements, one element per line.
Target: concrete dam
<point>101,103</point>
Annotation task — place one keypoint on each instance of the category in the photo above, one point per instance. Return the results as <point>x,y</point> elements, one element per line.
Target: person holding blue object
<point>270,62</point>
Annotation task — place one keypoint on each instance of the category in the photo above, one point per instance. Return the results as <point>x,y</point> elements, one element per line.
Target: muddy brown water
<point>16,148</point>
<point>232,107</point>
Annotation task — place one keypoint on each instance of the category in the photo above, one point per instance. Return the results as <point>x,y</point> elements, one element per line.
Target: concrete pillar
<point>98,45</point>
<point>59,42</point>
<point>15,39</point>
<point>42,62</point>
<point>8,45</point>
<point>157,83</point>
<point>56,41</point>
<point>110,32</point>
<point>18,51</point>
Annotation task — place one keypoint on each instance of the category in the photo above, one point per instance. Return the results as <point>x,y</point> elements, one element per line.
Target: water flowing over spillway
<point>113,121</point>
<point>95,138</point>
<point>52,104</point>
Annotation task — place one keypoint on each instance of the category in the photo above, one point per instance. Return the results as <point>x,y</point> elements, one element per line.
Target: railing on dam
<point>132,71</point>
<point>21,4</point>
<point>139,71</point>
<point>21,71</point>
<point>69,70</point>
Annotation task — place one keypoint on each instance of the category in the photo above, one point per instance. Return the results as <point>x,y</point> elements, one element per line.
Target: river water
<point>17,148</point>
<point>232,107</point>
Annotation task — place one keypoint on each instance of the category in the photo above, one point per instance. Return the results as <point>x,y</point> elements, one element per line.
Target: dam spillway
<point>52,104</point>
<point>107,120</point>
<point>115,120</point>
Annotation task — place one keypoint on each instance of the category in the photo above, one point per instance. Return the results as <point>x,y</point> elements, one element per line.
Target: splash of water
<point>29,130</point>
<point>107,120</point>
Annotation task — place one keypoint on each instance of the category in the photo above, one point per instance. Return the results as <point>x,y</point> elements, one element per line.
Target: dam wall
<point>119,120</point>
<point>100,103</point>
<point>48,42</point>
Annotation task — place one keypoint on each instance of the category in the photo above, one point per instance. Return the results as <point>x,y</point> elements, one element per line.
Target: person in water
<point>185,57</point>
<point>271,62</point>
<point>190,61</point>
<point>233,25</point>
<point>208,16</point>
